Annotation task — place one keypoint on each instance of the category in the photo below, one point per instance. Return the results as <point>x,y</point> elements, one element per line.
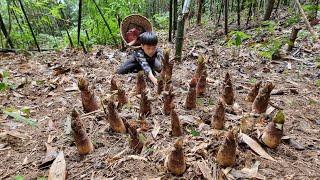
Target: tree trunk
<point>33,35</point>
<point>226,17</point>
<point>180,31</point>
<point>170,20</point>
<point>5,33</point>
<point>268,9</point>
<point>200,4</point>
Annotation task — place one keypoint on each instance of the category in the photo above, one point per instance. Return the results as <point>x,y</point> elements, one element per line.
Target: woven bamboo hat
<point>134,21</point>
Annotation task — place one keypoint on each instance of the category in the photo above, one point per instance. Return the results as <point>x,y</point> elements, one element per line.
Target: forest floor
<point>46,83</point>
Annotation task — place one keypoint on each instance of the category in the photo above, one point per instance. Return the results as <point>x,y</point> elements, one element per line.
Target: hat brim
<point>134,21</point>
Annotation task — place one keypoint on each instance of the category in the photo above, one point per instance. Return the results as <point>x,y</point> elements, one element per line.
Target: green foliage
<point>253,80</point>
<point>191,130</point>
<point>200,101</point>
<point>41,178</point>
<point>237,37</point>
<point>50,26</point>
<point>161,20</point>
<point>20,115</point>
<point>269,49</point>
<point>318,83</point>
<point>18,177</point>
<point>5,84</point>
<point>269,25</point>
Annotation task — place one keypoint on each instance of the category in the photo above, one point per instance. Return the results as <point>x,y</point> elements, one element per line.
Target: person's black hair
<point>148,38</point>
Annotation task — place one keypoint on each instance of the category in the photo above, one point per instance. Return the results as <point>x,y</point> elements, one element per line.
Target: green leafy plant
<point>237,37</point>
<point>18,177</point>
<point>19,115</point>
<point>191,130</point>
<point>5,84</point>
<point>269,49</point>
<point>161,20</point>
<point>318,83</point>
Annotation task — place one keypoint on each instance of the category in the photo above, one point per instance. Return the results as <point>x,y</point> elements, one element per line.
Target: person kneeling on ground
<point>147,58</point>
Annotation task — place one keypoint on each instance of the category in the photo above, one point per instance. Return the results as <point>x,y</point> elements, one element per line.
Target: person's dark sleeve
<point>159,55</point>
<point>143,62</point>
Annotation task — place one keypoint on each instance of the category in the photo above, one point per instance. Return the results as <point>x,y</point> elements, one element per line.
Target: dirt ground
<point>47,83</point>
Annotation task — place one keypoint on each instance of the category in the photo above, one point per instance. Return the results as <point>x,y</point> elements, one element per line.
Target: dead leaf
<point>270,110</point>
<point>205,170</point>
<point>58,169</point>
<point>15,134</point>
<point>25,161</point>
<point>248,173</point>
<point>187,119</point>
<point>156,129</point>
<point>51,154</point>
<point>67,126</point>
<point>255,146</point>
<point>253,171</point>
<point>73,88</point>
<point>18,95</point>
<point>51,125</point>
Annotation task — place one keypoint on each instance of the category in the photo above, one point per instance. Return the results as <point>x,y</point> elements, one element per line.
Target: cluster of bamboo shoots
<point>197,85</point>
<point>176,161</point>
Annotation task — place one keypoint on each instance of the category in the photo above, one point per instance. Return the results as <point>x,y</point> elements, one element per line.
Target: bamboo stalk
<point>4,31</point>
<point>15,16</point>
<point>170,20</point>
<point>105,22</point>
<point>249,14</point>
<point>79,20</point>
<point>304,17</point>
<point>180,31</point>
<point>238,13</point>
<point>200,4</point>
<point>175,16</point>
<point>226,17</point>
<point>30,27</point>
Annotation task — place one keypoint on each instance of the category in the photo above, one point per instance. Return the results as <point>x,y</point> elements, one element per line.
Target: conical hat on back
<point>134,21</point>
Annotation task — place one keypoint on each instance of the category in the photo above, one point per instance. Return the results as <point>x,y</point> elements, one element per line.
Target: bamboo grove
<point>55,24</point>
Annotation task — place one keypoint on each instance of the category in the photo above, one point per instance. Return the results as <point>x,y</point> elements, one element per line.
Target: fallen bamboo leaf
<point>255,146</point>
<point>248,173</point>
<point>156,129</point>
<point>132,157</point>
<point>58,169</point>
<point>205,170</point>
<point>15,134</point>
<point>51,154</point>
<point>72,88</point>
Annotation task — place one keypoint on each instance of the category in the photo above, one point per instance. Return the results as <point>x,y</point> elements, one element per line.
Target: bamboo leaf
<point>255,146</point>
